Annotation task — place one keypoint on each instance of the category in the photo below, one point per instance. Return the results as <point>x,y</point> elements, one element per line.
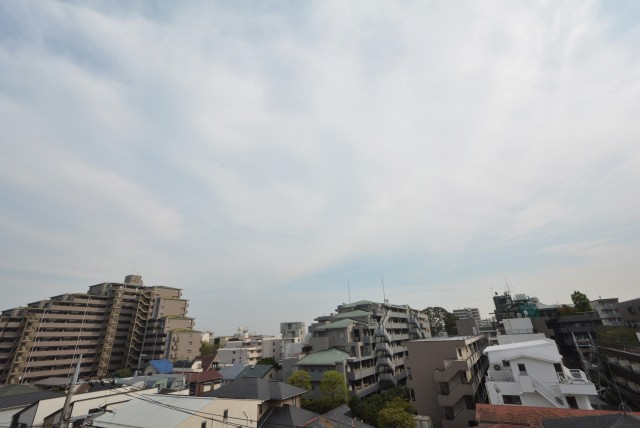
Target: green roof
<point>358,303</point>
<point>324,358</point>
<point>336,325</point>
<point>353,314</point>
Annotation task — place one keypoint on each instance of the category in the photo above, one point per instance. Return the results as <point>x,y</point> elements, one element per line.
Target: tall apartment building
<point>292,332</point>
<point>608,311</point>
<point>372,334</point>
<point>466,313</point>
<point>113,326</point>
<point>445,381</point>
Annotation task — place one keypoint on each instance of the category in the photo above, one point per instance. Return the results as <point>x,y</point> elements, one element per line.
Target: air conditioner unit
<point>497,367</point>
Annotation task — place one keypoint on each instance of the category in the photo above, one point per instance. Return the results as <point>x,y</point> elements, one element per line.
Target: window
<point>522,369</point>
<point>203,424</point>
<point>511,399</point>
<point>225,415</point>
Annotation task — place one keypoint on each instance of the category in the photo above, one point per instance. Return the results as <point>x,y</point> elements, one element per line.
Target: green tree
<point>393,417</point>
<point>440,321</point>
<point>334,388</point>
<point>207,348</point>
<point>301,379</point>
<point>122,373</point>
<point>581,301</point>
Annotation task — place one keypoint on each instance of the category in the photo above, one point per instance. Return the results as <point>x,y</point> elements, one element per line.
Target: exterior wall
<point>293,332</point>
<point>446,378</point>
<point>237,409</point>
<point>272,348</point>
<point>184,345</point>
<point>112,326</point>
<point>504,339</point>
<point>630,312</point>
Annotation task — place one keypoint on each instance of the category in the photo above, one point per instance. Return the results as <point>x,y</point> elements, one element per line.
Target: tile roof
<point>323,358</point>
<point>206,376</point>
<point>256,388</point>
<point>353,314</point>
<point>23,395</point>
<point>610,421</point>
<point>287,416</point>
<point>258,370</point>
<point>531,416</point>
<point>162,366</point>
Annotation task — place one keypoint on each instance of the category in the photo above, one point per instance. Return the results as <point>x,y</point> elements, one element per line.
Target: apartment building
<point>373,335</point>
<point>608,311</point>
<point>445,378</point>
<point>113,326</point>
<point>532,374</point>
<point>249,349</point>
<point>293,332</point>
<point>466,313</point>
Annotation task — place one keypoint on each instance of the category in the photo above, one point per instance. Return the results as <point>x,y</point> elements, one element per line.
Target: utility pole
<point>66,409</point>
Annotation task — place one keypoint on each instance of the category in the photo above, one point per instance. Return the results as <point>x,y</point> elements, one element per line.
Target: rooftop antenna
<point>599,296</point>
<point>349,290</point>
<point>384,296</point>
<point>135,262</point>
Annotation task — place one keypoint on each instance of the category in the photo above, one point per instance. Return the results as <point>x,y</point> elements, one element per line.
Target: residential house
<point>16,397</point>
<point>532,374</point>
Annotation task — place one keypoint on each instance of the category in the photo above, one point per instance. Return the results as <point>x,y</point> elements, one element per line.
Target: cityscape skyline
<point>275,160</point>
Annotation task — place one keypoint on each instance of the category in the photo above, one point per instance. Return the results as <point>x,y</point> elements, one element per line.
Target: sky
<point>277,159</point>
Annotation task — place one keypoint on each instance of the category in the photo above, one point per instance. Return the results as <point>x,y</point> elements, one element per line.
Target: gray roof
<point>152,411</point>
<point>258,370</point>
<point>23,395</point>
<point>597,421</point>
<point>257,389</point>
<point>326,357</point>
<point>287,416</point>
<point>233,371</point>
<point>341,415</point>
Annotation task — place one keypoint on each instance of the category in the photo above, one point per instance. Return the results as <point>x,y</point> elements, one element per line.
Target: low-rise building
<point>445,380</point>
<point>466,313</point>
<point>532,374</point>
<point>608,311</point>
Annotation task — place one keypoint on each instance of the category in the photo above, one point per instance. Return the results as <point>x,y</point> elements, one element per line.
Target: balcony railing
<point>574,376</point>
<point>500,376</point>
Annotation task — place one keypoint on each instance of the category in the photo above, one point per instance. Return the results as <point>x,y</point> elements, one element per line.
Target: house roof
<point>287,416</point>
<point>206,376</point>
<point>258,370</point>
<point>231,372</point>
<point>256,388</point>
<point>23,395</point>
<point>183,364</point>
<point>324,358</point>
<point>207,361</point>
<point>153,411</point>
<point>162,366</point>
<point>343,323</point>
<point>520,345</point>
<point>532,416</point>
<point>340,415</point>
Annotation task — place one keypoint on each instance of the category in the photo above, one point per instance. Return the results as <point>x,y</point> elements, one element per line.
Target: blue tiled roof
<point>162,366</point>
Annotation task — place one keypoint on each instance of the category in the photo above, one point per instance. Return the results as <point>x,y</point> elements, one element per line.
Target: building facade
<point>373,335</point>
<point>445,380</point>
<point>293,332</point>
<point>113,326</point>
<point>608,311</point>
<point>466,313</point>
<point>532,374</point>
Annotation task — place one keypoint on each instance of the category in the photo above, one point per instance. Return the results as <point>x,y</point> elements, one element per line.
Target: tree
<point>207,348</point>
<point>395,417</point>
<point>334,388</point>
<point>123,373</point>
<point>581,301</point>
<point>301,379</point>
<point>440,320</point>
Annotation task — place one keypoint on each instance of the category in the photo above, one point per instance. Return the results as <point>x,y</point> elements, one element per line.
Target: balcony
<point>500,376</point>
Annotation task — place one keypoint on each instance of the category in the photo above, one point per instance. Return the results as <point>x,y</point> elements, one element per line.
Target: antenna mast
<point>349,290</point>
<point>384,296</point>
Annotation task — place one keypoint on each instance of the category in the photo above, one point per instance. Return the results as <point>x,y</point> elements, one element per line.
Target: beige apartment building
<point>372,335</point>
<point>113,326</point>
<point>445,378</point>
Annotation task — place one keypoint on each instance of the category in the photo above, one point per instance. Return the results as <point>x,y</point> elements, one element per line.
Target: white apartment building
<point>517,330</point>
<point>466,313</point>
<point>532,374</point>
<point>293,332</point>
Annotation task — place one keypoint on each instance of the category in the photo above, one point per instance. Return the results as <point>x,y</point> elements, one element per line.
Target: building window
<point>203,424</point>
<point>511,399</point>
<point>522,369</point>
<point>225,415</point>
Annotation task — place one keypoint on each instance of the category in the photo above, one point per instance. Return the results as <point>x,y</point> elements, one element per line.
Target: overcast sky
<point>276,159</point>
